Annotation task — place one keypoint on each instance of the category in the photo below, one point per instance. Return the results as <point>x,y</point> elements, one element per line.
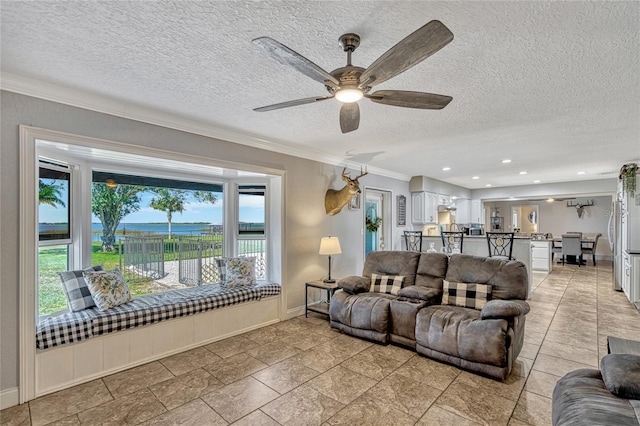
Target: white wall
<point>306,182</point>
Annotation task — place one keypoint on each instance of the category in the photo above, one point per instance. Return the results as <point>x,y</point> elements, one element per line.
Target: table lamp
<point>328,246</point>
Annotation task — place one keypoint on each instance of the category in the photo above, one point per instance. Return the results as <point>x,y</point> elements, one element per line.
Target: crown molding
<point>112,106</point>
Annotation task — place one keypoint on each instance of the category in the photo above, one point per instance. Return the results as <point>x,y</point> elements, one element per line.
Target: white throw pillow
<point>107,288</point>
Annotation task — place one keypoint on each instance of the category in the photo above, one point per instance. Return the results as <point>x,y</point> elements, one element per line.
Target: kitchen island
<point>477,245</point>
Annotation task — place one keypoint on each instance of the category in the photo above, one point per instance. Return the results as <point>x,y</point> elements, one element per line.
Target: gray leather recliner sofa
<point>486,341</point>
<point>609,396</point>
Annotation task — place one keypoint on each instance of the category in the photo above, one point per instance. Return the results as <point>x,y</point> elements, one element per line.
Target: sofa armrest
<point>496,309</point>
<point>355,284</point>
<point>420,292</point>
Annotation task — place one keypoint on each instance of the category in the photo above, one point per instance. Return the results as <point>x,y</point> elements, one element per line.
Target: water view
<point>139,229</point>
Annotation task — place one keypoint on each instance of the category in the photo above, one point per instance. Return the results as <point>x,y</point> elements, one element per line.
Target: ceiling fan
<point>350,83</point>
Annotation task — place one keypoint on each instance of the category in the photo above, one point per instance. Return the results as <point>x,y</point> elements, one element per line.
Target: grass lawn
<point>51,260</point>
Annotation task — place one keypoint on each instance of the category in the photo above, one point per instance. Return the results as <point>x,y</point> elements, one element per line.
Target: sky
<point>251,210</point>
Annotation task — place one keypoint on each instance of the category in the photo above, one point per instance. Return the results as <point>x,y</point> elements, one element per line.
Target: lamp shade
<point>330,245</point>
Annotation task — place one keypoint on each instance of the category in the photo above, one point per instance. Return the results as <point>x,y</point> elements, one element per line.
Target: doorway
<point>377,235</point>
<point>525,218</point>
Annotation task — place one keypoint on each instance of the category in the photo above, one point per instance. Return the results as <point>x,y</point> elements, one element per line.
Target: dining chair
<point>500,244</point>
<point>413,240</point>
<point>450,239</point>
<point>572,246</point>
<point>590,248</point>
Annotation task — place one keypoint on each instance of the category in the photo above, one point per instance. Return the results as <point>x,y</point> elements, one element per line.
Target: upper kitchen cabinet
<point>444,200</point>
<point>424,208</point>
<point>463,210</point>
<point>477,212</point>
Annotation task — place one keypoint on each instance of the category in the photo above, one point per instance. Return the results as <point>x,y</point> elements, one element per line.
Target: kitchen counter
<point>477,245</point>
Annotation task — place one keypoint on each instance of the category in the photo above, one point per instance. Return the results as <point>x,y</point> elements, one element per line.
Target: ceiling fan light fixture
<point>349,94</point>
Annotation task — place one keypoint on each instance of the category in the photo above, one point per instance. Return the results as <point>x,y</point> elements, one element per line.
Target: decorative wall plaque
<point>402,210</point>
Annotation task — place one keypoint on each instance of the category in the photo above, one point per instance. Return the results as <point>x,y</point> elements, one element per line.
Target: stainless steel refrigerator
<point>615,242</point>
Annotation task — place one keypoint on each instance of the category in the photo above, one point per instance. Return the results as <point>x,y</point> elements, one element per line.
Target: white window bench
<point>77,347</point>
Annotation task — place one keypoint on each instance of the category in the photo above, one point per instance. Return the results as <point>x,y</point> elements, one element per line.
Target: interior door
<point>377,234</point>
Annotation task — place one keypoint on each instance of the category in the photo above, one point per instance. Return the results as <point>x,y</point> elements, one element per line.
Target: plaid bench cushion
<point>144,310</point>
<point>268,289</point>
<point>66,328</point>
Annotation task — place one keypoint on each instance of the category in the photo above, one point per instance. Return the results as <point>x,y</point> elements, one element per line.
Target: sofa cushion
<point>460,332</point>
<point>621,374</point>
<point>355,284</point>
<point>467,295</point>
<point>368,311</point>
<point>432,268</point>
<point>504,309</point>
<point>509,278</point>
<point>392,263</point>
<point>428,294</point>
<point>389,284</point>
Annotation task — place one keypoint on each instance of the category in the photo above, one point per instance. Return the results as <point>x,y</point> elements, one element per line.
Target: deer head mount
<point>580,207</point>
<point>335,200</point>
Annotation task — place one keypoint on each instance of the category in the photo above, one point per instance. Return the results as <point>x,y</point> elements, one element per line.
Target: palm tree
<point>169,201</point>
<point>50,194</point>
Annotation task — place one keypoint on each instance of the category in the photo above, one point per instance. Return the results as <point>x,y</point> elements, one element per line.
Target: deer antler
<point>361,174</point>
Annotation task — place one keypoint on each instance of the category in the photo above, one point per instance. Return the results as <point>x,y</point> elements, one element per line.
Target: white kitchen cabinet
<point>477,212</point>
<point>424,208</point>
<point>541,255</point>
<point>444,200</point>
<point>631,276</point>
<point>463,210</point>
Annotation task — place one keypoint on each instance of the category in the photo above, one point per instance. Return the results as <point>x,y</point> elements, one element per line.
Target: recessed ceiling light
<point>536,181</point>
<point>582,173</point>
<point>476,177</point>
<point>453,197</point>
<point>523,172</point>
<point>446,169</point>
<point>550,200</point>
<point>506,161</point>
<point>487,185</point>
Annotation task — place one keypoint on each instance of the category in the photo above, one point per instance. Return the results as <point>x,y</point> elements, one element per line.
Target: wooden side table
<point>322,308</point>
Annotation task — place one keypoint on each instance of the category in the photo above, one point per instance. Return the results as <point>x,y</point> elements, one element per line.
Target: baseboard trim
<point>9,398</point>
<point>295,312</point>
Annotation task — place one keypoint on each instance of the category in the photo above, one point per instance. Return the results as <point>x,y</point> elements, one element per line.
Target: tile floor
<point>300,372</point>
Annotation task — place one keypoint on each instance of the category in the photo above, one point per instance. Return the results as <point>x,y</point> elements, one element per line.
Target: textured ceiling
<point>553,86</point>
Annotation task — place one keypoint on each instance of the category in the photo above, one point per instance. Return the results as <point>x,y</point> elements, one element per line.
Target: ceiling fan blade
<point>412,50</point>
<point>408,99</point>
<point>292,103</point>
<point>286,56</point>
<point>349,117</point>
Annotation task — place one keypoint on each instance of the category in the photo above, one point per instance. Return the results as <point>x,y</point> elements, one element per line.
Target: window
<point>54,235</point>
<point>251,226</point>
<point>164,233</point>
<point>163,227</point>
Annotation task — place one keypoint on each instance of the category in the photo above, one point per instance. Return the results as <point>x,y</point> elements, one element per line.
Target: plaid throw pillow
<point>76,289</point>
<point>390,284</point>
<point>222,269</point>
<point>467,295</point>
